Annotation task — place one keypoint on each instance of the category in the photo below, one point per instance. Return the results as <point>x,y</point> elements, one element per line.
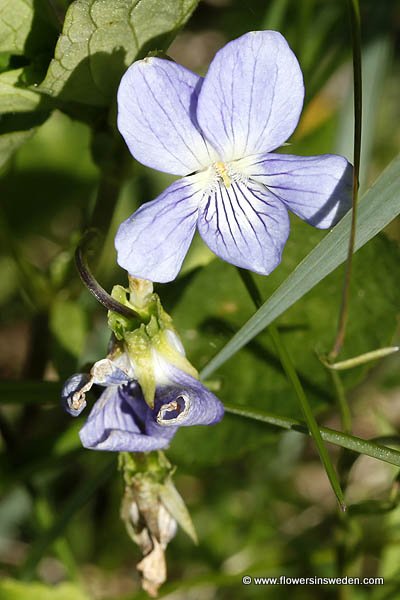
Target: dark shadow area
<point>30,200</point>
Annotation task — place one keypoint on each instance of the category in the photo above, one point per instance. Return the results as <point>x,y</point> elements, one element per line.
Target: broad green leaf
<point>11,589</point>
<point>69,325</point>
<point>27,27</point>
<point>16,17</point>
<point>101,39</point>
<point>379,206</point>
<point>17,97</point>
<point>17,129</point>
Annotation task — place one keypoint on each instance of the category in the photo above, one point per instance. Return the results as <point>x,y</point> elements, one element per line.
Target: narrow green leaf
<point>375,60</point>
<point>345,440</point>
<point>275,14</point>
<point>379,206</point>
<point>101,39</point>
<point>355,19</point>
<point>350,363</point>
<point>293,377</point>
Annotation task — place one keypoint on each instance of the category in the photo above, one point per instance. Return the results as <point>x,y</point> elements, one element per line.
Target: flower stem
<point>344,440</point>
<point>292,376</point>
<point>357,78</point>
<point>91,282</point>
<point>345,414</point>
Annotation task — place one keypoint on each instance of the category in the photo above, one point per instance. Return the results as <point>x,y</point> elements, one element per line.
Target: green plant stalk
<point>361,359</point>
<point>338,438</point>
<point>357,78</point>
<point>292,376</point>
<point>344,409</point>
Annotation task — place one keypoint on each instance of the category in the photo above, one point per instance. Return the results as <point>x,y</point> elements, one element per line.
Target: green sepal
<point>149,476</point>
<point>144,335</point>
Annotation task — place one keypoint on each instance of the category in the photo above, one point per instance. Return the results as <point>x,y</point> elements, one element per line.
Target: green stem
<point>106,200</point>
<point>292,376</point>
<point>357,77</point>
<point>338,438</point>
<point>344,409</point>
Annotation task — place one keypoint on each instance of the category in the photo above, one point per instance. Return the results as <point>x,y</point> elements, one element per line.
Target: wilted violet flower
<point>219,133</point>
<point>122,421</point>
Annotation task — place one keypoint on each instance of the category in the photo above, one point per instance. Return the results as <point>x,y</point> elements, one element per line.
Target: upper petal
<point>157,101</point>
<point>252,96</point>
<point>117,423</point>
<point>153,242</point>
<point>316,188</point>
<point>245,225</point>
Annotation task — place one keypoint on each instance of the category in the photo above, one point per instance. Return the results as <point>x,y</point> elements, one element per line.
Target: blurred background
<point>259,498</point>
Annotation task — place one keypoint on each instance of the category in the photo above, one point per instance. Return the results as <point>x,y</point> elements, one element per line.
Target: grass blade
<point>351,442</point>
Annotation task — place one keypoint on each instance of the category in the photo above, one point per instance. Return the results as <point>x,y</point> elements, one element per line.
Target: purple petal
<point>74,384</point>
<point>153,242</point>
<point>316,188</point>
<point>185,402</point>
<point>245,225</point>
<point>118,423</point>
<point>252,96</point>
<point>156,110</point>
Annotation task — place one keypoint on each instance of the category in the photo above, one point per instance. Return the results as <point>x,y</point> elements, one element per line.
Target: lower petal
<point>245,225</point>
<point>316,188</point>
<point>116,424</point>
<point>153,242</point>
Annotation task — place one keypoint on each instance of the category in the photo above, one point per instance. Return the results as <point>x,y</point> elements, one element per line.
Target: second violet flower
<point>219,133</point>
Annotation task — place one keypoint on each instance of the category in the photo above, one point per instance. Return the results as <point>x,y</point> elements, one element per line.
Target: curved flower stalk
<point>219,133</point>
<point>151,389</point>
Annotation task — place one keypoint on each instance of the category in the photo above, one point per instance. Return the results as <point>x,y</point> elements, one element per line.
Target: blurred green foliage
<point>258,496</point>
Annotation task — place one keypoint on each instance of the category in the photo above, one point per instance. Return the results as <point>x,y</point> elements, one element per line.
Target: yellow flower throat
<point>222,172</point>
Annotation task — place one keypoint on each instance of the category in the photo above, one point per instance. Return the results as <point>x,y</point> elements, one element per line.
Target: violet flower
<point>219,133</point>
<point>121,420</point>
